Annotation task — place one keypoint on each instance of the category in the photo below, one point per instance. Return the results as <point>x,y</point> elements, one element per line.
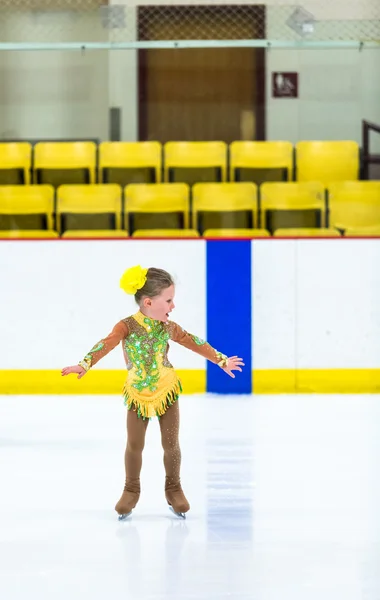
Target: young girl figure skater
<point>152,387</point>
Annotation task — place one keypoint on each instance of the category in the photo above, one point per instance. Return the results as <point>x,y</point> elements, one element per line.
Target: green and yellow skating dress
<point>152,384</point>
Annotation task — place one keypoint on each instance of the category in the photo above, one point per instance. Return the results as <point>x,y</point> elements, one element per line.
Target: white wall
<point>68,94</point>
<point>337,90</point>
<point>316,303</point>
<point>53,94</point>
<point>123,73</point>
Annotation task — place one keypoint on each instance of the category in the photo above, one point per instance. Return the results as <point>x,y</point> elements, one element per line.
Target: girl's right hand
<point>80,371</point>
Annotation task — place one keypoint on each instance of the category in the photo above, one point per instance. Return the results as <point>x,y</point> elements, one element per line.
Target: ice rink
<point>284,491</point>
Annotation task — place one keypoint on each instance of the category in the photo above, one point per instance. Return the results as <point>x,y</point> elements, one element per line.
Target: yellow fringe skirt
<point>149,404</point>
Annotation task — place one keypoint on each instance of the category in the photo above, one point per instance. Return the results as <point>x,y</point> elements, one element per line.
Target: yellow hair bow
<point>133,279</point>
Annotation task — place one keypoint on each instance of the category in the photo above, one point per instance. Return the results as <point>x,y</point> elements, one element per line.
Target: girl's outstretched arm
<point>119,332</point>
<point>192,342</point>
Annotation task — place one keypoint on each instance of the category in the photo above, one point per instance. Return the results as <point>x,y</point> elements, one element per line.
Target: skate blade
<point>124,517</point>
<point>177,514</point>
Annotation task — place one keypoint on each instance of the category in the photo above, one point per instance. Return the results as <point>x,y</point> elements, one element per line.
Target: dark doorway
<point>204,93</point>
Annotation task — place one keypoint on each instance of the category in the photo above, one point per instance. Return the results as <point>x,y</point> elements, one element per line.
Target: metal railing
<point>368,159</point>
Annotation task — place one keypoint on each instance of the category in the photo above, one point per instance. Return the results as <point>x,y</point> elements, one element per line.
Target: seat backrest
<point>168,203</point>
<point>89,199</point>
<point>261,155</point>
<point>195,155</point>
<point>131,155</point>
<point>66,155</point>
<point>235,203</point>
<point>225,196</point>
<point>16,155</point>
<point>292,204</point>
<point>292,195</point>
<point>354,204</point>
<point>327,161</point>
<point>161,197</point>
<point>28,200</point>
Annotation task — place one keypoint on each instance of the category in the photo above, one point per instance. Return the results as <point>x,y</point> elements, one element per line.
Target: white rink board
<point>59,298</point>
<point>316,304</point>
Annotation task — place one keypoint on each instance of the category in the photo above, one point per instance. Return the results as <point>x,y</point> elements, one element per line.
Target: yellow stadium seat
<point>157,206</point>
<point>292,204</point>
<point>327,161</point>
<point>28,234</point>
<point>322,232</point>
<point>26,207</point>
<point>165,233</point>
<point>191,162</point>
<point>130,162</point>
<point>95,233</point>
<point>97,206</point>
<point>236,233</point>
<point>15,162</point>
<point>354,204</point>
<point>224,206</point>
<point>373,231</point>
<point>261,161</point>
<point>59,163</point>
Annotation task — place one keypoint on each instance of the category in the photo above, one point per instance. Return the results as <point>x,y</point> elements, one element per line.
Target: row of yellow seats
<point>351,203</point>
<point>322,232</point>
<point>169,198</point>
<point>323,161</point>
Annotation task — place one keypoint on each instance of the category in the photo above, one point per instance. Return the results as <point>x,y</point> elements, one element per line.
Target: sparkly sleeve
<point>192,342</point>
<point>119,332</point>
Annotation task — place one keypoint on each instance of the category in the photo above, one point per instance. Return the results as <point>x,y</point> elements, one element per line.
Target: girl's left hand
<point>233,364</point>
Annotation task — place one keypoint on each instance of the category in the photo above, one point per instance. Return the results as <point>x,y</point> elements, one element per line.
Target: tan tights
<point>136,430</point>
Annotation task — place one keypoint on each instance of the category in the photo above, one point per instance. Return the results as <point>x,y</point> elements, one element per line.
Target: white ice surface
<point>284,490</point>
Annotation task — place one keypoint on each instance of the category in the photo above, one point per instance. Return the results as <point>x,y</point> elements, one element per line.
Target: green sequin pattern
<point>88,358</point>
<point>142,349</point>
<point>197,340</point>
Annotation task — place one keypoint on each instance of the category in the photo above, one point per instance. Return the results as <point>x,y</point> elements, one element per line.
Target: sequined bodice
<point>146,350</point>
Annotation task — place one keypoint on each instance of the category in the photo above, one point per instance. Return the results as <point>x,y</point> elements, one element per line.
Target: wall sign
<point>284,85</point>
